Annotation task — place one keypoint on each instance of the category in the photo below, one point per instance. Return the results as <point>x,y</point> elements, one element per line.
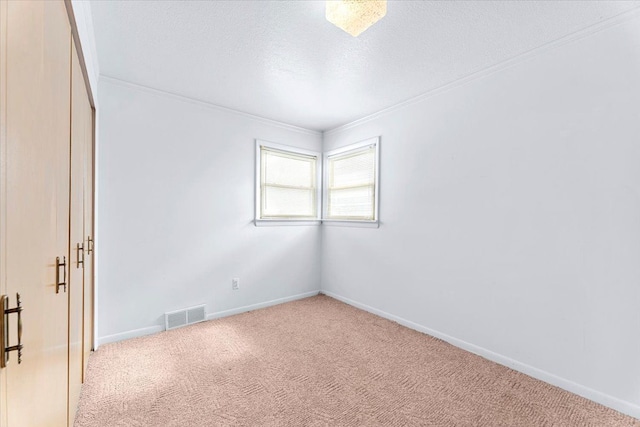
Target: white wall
<point>176,186</point>
<point>510,211</point>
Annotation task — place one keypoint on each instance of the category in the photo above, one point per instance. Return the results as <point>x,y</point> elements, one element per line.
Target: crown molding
<point>158,92</point>
<point>487,71</point>
<point>476,75</point>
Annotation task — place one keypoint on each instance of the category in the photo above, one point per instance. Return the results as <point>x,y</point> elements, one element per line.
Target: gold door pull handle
<point>5,348</point>
<point>80,249</point>
<point>89,245</point>
<point>62,264</point>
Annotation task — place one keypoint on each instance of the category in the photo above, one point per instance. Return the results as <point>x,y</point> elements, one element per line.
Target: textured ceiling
<point>282,60</point>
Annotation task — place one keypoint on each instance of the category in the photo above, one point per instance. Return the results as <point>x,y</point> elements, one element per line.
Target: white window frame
<point>325,193</point>
<point>258,221</point>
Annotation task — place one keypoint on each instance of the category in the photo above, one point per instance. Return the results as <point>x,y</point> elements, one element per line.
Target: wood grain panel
<point>76,236</point>
<point>37,206</point>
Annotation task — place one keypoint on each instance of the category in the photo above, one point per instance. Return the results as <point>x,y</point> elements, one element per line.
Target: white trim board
<point>159,92</point>
<point>620,405</point>
<point>244,309</point>
<point>484,72</point>
<point>127,335</point>
<point>136,333</point>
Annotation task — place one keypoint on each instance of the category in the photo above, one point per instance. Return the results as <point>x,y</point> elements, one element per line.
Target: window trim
<point>258,221</point>
<point>375,223</point>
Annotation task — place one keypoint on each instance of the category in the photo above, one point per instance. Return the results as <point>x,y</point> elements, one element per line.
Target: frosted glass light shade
<point>355,16</point>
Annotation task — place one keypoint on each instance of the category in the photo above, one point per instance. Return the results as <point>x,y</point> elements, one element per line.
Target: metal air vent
<point>186,316</point>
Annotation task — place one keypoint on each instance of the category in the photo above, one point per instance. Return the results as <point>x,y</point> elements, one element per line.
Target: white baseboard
<point>130,334</point>
<point>225,313</point>
<point>157,328</point>
<point>623,406</point>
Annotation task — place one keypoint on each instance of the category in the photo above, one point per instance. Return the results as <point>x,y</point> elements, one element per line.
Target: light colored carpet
<point>316,362</point>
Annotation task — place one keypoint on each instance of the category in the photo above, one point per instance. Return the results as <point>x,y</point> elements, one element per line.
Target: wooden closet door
<point>3,185</point>
<point>88,325</point>
<point>35,206</point>
<point>79,119</point>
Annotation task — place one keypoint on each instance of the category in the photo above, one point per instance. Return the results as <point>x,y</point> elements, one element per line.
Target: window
<point>351,182</point>
<point>287,183</point>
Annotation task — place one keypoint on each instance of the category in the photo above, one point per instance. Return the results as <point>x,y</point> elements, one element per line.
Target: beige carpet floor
<point>316,362</point>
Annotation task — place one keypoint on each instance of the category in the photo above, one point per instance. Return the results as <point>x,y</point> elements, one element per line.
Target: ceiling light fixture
<point>355,16</point>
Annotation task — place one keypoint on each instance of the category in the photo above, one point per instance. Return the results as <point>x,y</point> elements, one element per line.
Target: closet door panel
<point>89,233</point>
<point>36,202</point>
<point>3,185</point>
<point>78,256</point>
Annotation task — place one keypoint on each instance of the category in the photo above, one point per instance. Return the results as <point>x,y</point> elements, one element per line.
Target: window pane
<point>352,203</point>
<point>288,202</point>
<point>287,184</point>
<point>353,169</point>
<point>351,181</point>
<point>286,169</point>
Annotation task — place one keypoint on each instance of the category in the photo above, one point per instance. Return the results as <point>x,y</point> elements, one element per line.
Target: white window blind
<point>288,184</point>
<point>351,184</point>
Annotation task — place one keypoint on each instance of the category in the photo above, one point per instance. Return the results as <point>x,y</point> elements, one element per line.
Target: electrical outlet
<point>235,284</point>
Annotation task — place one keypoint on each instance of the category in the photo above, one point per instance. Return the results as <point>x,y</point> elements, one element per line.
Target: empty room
<point>319,213</point>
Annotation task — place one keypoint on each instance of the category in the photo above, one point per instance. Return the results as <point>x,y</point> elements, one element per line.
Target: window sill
<point>282,222</point>
<point>351,223</point>
<point>315,222</point>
